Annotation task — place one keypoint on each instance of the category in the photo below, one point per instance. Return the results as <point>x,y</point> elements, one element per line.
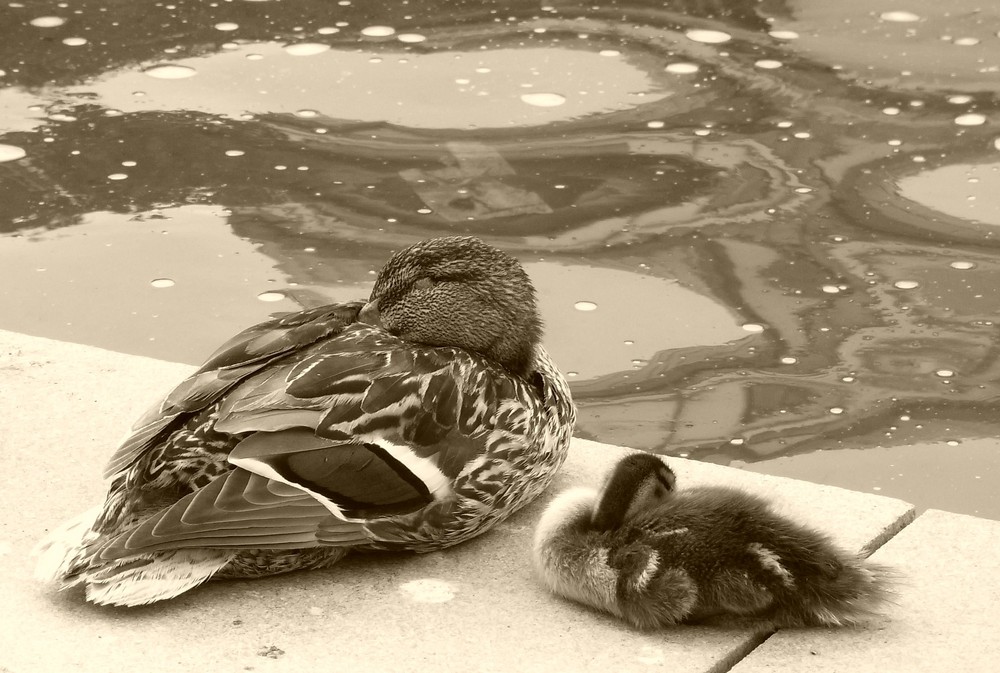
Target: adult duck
<point>414,421</point>
<point>655,556</point>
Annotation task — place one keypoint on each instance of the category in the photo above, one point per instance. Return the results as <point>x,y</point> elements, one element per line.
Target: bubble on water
<point>966,41</point>
<point>328,30</point>
<point>682,68</point>
<point>609,52</point>
<point>170,71</point>
<point>271,296</point>
<point>959,99</point>
<point>162,282</point>
<point>802,135</point>
<point>785,124</point>
<point>789,360</point>
<point>963,265</point>
<point>906,284</point>
<point>306,113</point>
<point>891,111</point>
<point>708,36</point>
<point>831,289</point>
<point>378,31</point>
<point>952,442</point>
<point>768,64</point>
<point>996,143</point>
<point>254,57</point>
<point>655,124</point>
<point>11,153</point>
<point>47,21</point>
<point>894,143</point>
<point>945,373</point>
<point>899,17</point>
<point>784,34</point>
<point>411,38</point>
<point>483,70</point>
<point>235,153</point>
<point>226,26</point>
<point>971,119</point>
<point>585,306</point>
<point>129,163</point>
<point>428,590</point>
<point>60,117</point>
<point>847,379</point>
<point>737,441</point>
<point>752,327</point>
<point>836,410</point>
<point>306,48</point>
<point>543,99</point>
<point>75,41</point>
<point>118,176</point>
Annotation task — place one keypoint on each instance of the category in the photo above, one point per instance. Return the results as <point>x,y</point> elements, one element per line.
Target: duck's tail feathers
<point>146,579</point>
<point>66,549</point>
<point>856,594</point>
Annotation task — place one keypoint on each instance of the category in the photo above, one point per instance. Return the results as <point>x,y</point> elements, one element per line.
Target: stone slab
<point>475,607</point>
<point>945,618</point>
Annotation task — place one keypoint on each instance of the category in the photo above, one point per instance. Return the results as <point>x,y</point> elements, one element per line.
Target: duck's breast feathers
<point>244,354</point>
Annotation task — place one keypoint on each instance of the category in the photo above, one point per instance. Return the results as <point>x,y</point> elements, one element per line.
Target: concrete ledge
<point>472,608</point>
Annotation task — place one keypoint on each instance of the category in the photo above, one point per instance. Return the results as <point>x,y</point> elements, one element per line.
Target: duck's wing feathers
<point>358,428</point>
<point>244,354</point>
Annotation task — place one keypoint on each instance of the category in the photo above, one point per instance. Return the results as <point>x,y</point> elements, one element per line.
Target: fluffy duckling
<point>414,421</point>
<point>654,556</point>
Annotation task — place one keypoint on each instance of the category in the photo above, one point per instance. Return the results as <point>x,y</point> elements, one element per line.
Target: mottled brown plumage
<point>655,556</point>
<point>414,421</point>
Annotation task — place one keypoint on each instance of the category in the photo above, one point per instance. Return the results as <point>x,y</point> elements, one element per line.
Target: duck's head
<point>638,482</point>
<point>458,291</point>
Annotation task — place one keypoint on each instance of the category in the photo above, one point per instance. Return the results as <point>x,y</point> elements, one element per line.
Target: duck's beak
<point>370,314</point>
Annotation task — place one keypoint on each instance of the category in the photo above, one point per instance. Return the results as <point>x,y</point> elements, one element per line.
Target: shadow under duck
<point>655,556</point>
<point>414,421</point>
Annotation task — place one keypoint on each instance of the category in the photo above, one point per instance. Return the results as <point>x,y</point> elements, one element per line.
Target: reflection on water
<point>760,236</point>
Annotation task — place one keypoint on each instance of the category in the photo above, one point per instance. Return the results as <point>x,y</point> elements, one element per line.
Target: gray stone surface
<point>63,408</point>
<point>945,618</point>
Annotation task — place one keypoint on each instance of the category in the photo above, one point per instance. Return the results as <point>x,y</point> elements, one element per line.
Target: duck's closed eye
<point>423,283</point>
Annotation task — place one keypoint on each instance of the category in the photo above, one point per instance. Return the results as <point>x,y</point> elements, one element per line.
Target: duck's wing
<point>360,428</point>
<point>244,354</point>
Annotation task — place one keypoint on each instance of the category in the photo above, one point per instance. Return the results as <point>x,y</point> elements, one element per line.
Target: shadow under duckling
<point>654,556</point>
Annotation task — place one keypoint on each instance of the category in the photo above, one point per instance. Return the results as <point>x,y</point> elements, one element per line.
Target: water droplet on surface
<point>682,68</point>
<point>75,41</point>
<point>227,26</point>
<point>945,373</point>
<point>411,38</point>
<point>963,265</point>
<point>543,99</point>
<point>235,153</point>
<point>971,119</point>
<point>831,289</point>
<point>708,36</point>
<point>906,284</point>
<point>47,21</point>
<point>836,410</point>
<point>752,327</point>
<point>655,124</point>
<point>899,17</point>
<point>952,442</point>
<point>428,590</point>
<point>788,360</point>
<point>328,30</point>
<point>784,34</point>
<point>306,113</point>
<point>585,306</point>
<point>966,41</point>
<point>609,52</point>
<point>162,282</point>
<point>737,441</point>
<point>11,153</point>
<point>891,111</point>
<point>170,71</point>
<point>271,296</point>
<point>768,64</point>
<point>306,49</point>
<point>378,31</point>
<point>118,176</point>
<point>959,99</point>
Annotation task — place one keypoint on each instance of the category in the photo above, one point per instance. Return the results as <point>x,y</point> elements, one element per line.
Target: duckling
<point>413,421</point>
<point>656,556</point>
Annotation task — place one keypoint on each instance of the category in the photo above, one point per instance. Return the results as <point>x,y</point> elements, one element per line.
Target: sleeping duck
<point>655,556</point>
<point>413,421</point>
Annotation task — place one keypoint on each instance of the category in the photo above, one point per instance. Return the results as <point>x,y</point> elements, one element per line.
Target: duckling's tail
<point>850,591</point>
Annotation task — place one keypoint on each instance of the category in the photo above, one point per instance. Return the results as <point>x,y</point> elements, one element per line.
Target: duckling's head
<point>459,291</point>
<point>639,482</point>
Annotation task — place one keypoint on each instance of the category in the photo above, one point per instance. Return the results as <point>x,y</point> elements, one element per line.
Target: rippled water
<point>763,233</point>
